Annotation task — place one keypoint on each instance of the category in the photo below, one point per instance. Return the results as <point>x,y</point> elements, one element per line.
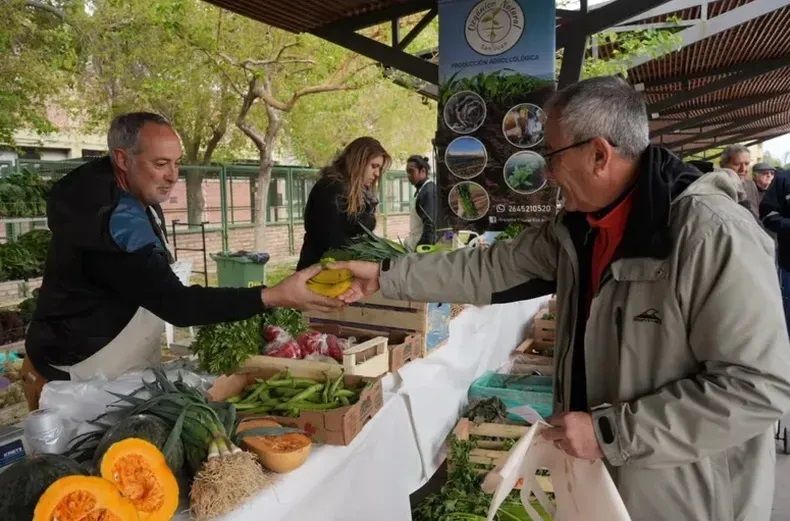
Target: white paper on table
<point>583,490</point>
<point>526,412</point>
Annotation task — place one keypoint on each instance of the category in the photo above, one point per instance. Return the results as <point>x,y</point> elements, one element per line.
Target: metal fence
<point>228,193</point>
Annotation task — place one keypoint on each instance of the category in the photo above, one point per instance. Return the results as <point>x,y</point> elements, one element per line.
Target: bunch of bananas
<point>331,283</point>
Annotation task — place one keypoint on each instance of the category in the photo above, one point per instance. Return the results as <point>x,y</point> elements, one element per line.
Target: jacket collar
<point>662,178</point>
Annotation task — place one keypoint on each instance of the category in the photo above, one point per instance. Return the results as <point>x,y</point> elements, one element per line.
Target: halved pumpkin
<point>83,498</point>
<point>140,472</point>
<point>281,453</point>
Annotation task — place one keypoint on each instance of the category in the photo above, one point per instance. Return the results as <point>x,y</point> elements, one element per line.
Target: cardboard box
<point>431,321</point>
<point>335,427</point>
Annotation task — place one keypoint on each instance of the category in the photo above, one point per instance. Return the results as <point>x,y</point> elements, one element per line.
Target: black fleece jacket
<point>107,258</point>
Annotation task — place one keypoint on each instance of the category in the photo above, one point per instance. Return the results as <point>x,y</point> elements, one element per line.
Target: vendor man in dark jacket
<point>108,286</point>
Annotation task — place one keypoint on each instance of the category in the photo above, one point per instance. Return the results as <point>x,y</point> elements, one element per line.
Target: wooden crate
<point>492,446</point>
<point>368,358</point>
<point>553,304</point>
<point>525,361</point>
<point>403,346</point>
<point>431,321</point>
<point>544,330</point>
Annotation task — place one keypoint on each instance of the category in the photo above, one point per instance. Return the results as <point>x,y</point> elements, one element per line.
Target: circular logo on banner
<point>494,26</point>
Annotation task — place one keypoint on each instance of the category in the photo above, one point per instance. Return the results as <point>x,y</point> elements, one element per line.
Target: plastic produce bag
<point>77,402</point>
<point>583,490</point>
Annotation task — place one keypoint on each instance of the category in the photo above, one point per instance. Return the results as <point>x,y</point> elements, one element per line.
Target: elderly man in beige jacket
<point>660,369</point>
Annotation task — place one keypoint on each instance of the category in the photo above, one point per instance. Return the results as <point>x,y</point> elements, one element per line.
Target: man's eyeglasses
<point>554,153</point>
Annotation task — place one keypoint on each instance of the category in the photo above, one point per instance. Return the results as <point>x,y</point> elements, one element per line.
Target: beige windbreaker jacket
<point>687,357</point>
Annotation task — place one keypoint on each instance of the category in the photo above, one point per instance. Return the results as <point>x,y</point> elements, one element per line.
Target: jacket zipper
<point>618,320</point>
<point>574,311</point>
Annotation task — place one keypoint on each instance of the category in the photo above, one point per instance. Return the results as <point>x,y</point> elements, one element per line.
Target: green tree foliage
<point>39,58</point>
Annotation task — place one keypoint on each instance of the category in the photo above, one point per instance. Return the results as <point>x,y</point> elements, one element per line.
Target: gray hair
<point>125,129</point>
<point>606,107</point>
<point>729,153</point>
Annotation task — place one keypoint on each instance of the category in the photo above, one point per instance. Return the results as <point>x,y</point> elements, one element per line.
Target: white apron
<point>138,346</point>
<point>415,221</point>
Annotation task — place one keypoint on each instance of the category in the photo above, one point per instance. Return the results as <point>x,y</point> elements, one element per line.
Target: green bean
<point>310,391</point>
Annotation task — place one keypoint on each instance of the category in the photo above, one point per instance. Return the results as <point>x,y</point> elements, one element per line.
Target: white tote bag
<point>583,490</point>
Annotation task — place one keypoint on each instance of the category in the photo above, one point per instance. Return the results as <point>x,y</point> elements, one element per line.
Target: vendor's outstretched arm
<point>144,278</point>
<point>524,266</point>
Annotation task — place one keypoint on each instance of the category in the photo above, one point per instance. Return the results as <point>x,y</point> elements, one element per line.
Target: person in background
<point>660,370</point>
<point>763,177</point>
<point>737,158</point>
<point>108,286</point>
<point>775,216</point>
<point>423,214</point>
<point>343,200</point>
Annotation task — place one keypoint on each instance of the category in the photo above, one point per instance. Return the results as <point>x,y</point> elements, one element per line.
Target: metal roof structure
<point>729,82</point>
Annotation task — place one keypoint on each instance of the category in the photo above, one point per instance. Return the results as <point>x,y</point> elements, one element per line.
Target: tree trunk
<point>261,197</point>
<point>195,201</point>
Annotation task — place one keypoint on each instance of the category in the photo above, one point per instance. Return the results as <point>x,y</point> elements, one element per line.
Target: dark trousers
<point>784,283</point>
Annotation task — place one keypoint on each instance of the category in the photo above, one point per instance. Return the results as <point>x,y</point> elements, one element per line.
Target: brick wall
<point>16,290</point>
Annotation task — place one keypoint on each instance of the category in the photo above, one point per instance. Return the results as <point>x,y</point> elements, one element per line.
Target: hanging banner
<point>496,69</point>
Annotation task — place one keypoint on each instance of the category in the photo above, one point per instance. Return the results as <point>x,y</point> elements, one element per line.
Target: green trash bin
<point>240,269</point>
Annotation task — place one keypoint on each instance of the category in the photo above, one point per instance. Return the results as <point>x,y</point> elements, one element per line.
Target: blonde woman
<point>343,199</point>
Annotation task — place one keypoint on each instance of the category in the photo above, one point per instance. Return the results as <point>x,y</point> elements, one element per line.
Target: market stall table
<point>403,444</point>
<point>372,475</point>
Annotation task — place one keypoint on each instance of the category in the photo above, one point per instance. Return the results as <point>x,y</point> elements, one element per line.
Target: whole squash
<point>146,427</point>
<point>23,483</point>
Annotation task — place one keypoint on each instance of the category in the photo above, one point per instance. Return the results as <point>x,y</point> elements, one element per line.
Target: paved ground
<point>781,511</point>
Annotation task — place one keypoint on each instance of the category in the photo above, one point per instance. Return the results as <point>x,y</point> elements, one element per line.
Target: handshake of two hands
<point>294,292</point>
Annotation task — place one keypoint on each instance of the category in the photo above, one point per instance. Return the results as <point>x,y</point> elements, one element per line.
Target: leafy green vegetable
<point>510,232</point>
<point>521,178</point>
<point>222,348</point>
<point>462,499</point>
<point>465,195</point>
<point>28,306</point>
<point>369,247</point>
<point>488,410</point>
<point>17,262</point>
<point>23,194</point>
<point>25,257</point>
<point>500,87</point>
<point>291,320</point>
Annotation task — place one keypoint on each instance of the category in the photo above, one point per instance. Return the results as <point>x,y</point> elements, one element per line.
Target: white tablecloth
<point>402,446</point>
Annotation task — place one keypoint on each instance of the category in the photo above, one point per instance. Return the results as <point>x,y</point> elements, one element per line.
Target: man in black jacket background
<point>108,286</point>
<point>775,216</point>
<point>424,213</point>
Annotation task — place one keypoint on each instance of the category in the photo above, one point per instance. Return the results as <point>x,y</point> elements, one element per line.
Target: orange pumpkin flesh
<point>82,498</point>
<point>282,453</point>
<point>101,515</point>
<point>140,472</point>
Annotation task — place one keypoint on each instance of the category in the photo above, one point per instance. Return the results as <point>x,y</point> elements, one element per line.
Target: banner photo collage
<point>496,69</point>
